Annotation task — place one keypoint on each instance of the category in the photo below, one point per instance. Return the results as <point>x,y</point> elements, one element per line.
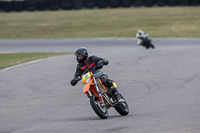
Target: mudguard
<point>86,88</point>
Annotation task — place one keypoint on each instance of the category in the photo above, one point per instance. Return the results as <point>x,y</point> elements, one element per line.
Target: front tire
<point>102,112</point>
<point>122,108</point>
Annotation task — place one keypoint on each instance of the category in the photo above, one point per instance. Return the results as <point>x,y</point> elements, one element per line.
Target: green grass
<point>11,59</point>
<point>85,23</point>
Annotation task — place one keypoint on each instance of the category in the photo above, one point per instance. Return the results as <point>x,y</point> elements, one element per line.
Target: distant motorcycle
<point>146,42</point>
<point>102,98</point>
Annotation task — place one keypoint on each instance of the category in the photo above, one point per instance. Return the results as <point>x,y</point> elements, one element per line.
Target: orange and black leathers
<point>88,64</point>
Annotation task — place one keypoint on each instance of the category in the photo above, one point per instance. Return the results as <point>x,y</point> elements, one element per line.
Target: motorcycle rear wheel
<point>102,112</point>
<point>151,45</point>
<point>122,108</point>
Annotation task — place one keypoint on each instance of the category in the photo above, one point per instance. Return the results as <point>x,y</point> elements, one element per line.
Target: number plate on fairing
<point>85,76</point>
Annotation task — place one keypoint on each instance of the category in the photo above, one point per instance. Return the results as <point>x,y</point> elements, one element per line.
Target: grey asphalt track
<point>160,85</point>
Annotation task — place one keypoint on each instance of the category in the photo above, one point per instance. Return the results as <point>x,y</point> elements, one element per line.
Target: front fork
<point>98,92</point>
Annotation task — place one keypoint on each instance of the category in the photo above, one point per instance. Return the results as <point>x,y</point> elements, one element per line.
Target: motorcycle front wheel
<point>102,112</point>
<point>122,108</point>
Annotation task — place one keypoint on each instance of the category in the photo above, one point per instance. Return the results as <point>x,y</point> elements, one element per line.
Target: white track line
<point>23,64</point>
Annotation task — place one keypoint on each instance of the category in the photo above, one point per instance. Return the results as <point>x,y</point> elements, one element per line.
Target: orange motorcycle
<point>102,98</point>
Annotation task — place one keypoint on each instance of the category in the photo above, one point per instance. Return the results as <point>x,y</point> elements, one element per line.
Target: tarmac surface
<point>161,86</point>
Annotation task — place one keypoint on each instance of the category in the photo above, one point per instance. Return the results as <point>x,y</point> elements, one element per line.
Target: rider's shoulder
<point>93,57</point>
<point>78,65</point>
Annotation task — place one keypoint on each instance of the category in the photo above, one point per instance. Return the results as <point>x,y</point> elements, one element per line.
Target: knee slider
<point>109,82</point>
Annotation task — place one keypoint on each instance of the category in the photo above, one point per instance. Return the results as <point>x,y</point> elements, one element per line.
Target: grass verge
<point>11,59</point>
<point>86,23</point>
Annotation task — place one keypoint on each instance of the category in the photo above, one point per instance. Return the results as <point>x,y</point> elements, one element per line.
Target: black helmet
<point>83,52</point>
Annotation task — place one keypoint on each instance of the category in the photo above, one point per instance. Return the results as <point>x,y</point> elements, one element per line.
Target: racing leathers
<point>94,63</point>
<point>140,35</point>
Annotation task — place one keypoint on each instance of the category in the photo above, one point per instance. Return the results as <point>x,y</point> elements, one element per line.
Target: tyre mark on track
<point>190,79</point>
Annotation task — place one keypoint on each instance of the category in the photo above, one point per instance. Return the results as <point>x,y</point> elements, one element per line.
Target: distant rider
<point>92,63</point>
<point>140,35</point>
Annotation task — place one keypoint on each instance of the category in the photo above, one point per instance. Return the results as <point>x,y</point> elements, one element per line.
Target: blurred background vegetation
<point>159,22</point>
<point>163,22</point>
<point>11,59</point>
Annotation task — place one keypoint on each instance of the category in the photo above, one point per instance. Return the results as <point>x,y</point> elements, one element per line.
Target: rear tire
<point>151,45</point>
<point>122,108</point>
<point>102,112</point>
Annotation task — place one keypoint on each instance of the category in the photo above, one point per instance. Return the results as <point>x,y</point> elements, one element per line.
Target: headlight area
<point>87,80</point>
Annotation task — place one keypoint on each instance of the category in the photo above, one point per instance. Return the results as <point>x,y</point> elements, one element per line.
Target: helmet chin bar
<point>81,51</point>
<point>81,59</point>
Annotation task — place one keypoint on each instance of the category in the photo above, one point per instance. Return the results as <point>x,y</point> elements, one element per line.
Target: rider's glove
<point>75,81</point>
<point>99,65</point>
<point>105,62</point>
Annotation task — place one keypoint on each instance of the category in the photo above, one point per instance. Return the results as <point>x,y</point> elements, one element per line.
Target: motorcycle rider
<point>94,63</point>
<point>141,34</point>
<point>144,39</point>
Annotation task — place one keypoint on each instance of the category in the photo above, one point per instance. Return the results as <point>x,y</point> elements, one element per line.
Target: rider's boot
<point>113,89</point>
<point>116,93</point>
